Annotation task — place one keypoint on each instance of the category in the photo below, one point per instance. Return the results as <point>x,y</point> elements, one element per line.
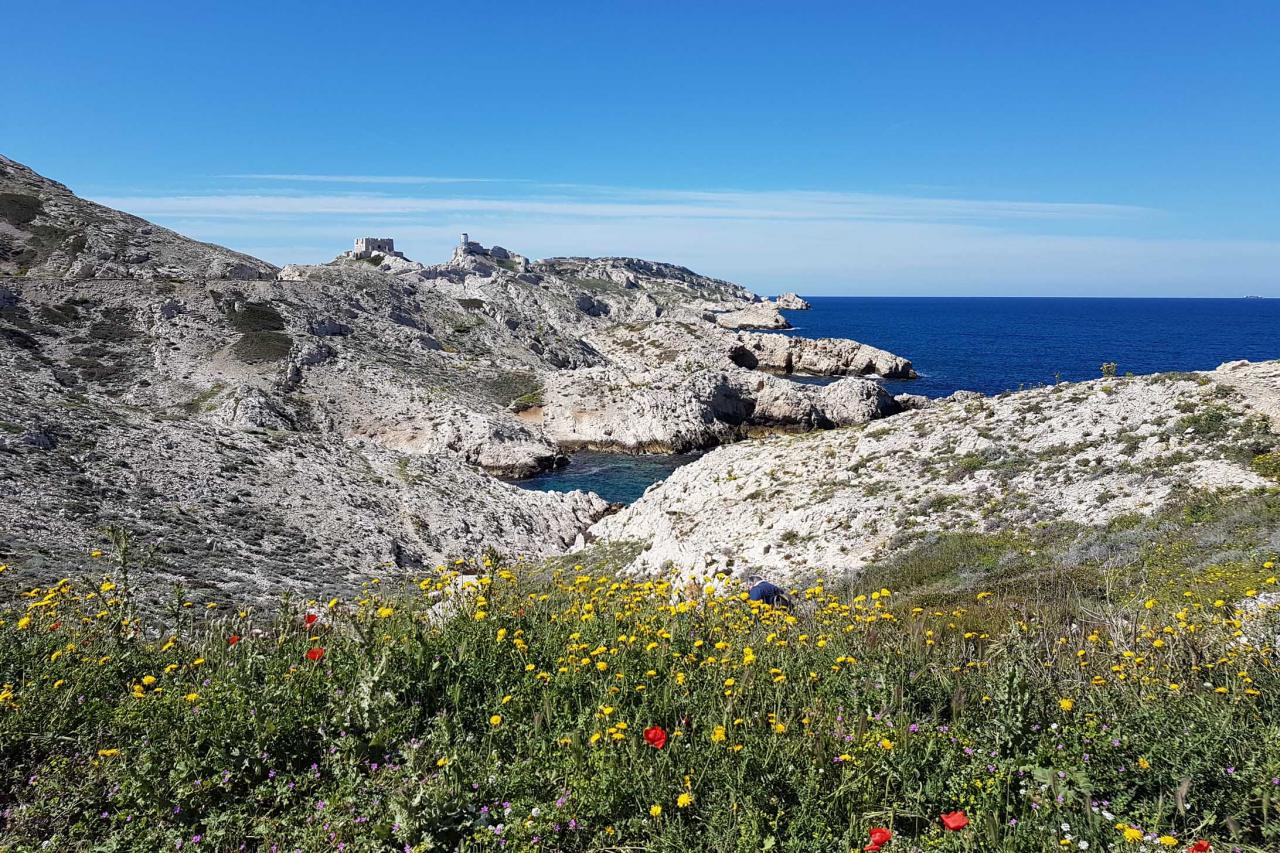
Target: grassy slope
<point>510,707</point>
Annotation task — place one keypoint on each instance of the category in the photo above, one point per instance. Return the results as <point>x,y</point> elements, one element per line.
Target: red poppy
<point>955,820</point>
<point>233,639</point>
<point>879,838</point>
<point>310,619</point>
<point>1200,846</point>
<point>655,736</point>
<point>315,653</point>
<point>56,625</point>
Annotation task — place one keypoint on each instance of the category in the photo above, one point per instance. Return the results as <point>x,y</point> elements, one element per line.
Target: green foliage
<point>1210,420</point>
<point>527,401</point>
<point>19,209</point>
<point>461,712</point>
<point>1108,368</point>
<point>1267,464</point>
<point>259,347</point>
<point>255,317</point>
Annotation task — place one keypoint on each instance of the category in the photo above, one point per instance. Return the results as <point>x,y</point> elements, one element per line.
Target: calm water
<point>616,477</point>
<point>1001,344</point>
<point>991,345</point>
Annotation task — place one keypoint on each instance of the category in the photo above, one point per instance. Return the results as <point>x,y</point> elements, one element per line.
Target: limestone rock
<point>790,301</point>
<point>47,231</point>
<point>791,506</point>
<point>818,356</point>
<point>759,316</point>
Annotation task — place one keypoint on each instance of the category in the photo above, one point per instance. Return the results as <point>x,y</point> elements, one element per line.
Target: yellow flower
<point>601,665</point>
<point>95,553</point>
<point>886,744</point>
<point>1143,764</point>
<point>107,586</point>
<point>59,683</point>
<point>684,800</point>
<point>780,728</point>
<point>23,623</point>
<point>192,697</point>
<point>718,735</point>
<point>148,680</point>
<point>655,810</point>
<point>495,720</point>
<point>1168,841</point>
<point>107,753</point>
<point>1066,704</point>
<point>1132,834</point>
<point>384,612</point>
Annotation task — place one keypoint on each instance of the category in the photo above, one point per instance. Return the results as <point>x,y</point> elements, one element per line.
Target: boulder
<point>790,301</point>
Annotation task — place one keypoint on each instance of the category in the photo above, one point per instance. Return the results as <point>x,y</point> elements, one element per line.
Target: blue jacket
<point>769,594</point>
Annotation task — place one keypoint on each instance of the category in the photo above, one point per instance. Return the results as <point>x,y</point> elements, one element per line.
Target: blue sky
<point>865,148</point>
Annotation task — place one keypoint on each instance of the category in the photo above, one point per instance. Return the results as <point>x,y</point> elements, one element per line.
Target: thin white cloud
<point>812,242</point>
<point>592,202</point>
<point>423,180</point>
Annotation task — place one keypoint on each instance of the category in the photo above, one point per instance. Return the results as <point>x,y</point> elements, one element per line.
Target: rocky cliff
<point>1085,453</point>
<point>222,407</point>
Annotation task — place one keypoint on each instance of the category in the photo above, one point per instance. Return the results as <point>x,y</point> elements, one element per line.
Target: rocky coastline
<point>220,406</point>
<point>252,423</point>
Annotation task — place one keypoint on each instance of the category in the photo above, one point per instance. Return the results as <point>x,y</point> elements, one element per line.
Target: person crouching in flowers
<point>767,593</point>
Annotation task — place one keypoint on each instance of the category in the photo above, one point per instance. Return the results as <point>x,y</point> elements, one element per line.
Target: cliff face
<point>1086,453</point>
<point>223,408</point>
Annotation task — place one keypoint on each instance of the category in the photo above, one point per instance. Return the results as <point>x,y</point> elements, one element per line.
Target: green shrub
<point>256,317</point>
<point>1267,464</point>
<point>258,347</point>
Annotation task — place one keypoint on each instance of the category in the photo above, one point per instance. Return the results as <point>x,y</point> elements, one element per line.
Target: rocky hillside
<point>46,230</point>
<point>206,399</point>
<point>1084,453</point>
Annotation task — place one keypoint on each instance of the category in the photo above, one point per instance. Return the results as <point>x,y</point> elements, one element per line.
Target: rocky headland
<point>253,423</point>
<point>265,429</point>
<point>834,502</point>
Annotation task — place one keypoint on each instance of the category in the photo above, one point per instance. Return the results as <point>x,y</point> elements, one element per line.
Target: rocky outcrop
<point>222,408</point>
<point>790,301</point>
<point>671,410</point>
<point>47,231</point>
<point>759,316</point>
<point>818,356</point>
<point>249,502</point>
<point>791,506</point>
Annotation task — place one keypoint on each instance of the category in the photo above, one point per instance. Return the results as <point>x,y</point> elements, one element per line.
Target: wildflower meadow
<point>488,705</point>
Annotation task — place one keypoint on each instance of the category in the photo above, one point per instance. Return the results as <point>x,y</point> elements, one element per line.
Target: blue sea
<point>992,345</point>
<point>1006,343</point>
